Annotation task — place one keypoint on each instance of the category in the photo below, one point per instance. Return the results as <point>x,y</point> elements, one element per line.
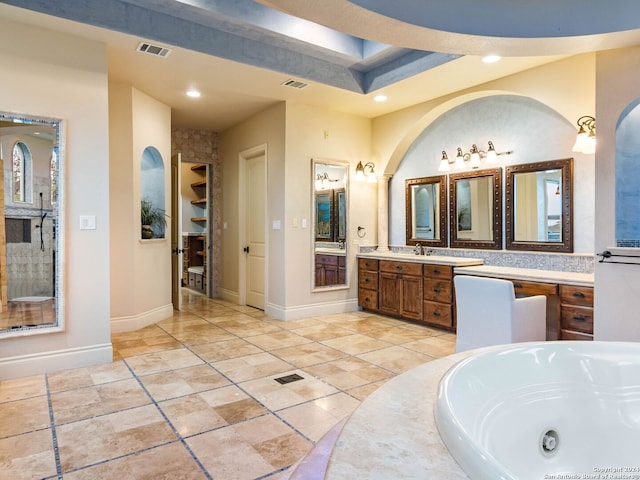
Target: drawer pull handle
<point>398,267</point>
<point>436,314</point>
<point>579,318</point>
<point>578,294</point>
<point>517,285</point>
<point>437,272</point>
<point>366,299</point>
<point>366,280</point>
<point>436,290</point>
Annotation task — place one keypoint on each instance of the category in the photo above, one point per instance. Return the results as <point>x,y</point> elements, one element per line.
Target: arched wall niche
<point>152,193</point>
<point>627,177</point>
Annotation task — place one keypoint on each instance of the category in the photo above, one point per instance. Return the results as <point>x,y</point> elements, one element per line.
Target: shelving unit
<point>195,244</point>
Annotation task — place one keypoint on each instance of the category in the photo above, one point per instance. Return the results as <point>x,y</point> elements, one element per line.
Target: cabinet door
<point>389,293</point>
<point>411,297</point>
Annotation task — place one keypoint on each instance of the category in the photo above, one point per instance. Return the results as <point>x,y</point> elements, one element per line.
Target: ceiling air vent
<point>294,84</point>
<point>153,50</point>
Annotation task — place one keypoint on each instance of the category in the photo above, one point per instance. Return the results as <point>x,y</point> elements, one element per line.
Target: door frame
<point>243,157</point>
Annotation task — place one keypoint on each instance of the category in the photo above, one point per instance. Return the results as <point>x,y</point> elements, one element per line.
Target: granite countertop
<point>434,259</point>
<point>528,274</point>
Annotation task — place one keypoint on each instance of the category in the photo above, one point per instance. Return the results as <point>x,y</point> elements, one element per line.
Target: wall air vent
<point>153,50</point>
<point>294,84</point>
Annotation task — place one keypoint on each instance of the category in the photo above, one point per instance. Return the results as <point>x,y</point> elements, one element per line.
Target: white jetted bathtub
<point>544,410</point>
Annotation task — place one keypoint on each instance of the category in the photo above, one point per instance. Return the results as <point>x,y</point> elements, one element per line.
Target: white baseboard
<point>314,310</point>
<point>228,295</point>
<point>135,322</point>
<point>53,361</point>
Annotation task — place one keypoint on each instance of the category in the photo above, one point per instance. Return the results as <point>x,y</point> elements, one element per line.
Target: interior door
<point>176,234</point>
<point>255,216</point>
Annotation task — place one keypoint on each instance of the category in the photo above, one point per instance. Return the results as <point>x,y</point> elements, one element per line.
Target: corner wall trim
<point>312,310</point>
<point>135,322</point>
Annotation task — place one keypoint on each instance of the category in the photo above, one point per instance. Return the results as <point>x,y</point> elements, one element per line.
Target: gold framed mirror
<point>329,185</point>
<point>539,206</point>
<point>475,200</point>
<point>425,207</point>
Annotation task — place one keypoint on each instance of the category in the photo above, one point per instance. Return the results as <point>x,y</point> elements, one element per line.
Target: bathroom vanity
<point>415,287</point>
<point>420,288</point>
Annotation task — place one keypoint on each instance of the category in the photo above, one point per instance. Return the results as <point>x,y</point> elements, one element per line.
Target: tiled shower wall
<point>30,270</point>
<point>201,146</point>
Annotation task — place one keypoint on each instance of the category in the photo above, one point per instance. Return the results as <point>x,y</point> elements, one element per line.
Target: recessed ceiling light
<point>193,93</point>
<point>491,58</point>
<point>380,98</point>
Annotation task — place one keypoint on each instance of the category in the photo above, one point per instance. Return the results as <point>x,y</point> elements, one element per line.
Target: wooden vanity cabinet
<point>330,270</point>
<point>438,295</point>
<point>400,289</point>
<point>368,284</point>
<point>576,313</point>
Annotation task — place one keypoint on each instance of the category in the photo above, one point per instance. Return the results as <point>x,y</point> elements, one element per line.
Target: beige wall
<point>141,276</point>
<point>617,294</point>
<point>73,89</point>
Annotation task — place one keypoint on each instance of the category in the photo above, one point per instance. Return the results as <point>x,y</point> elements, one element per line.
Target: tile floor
<point>195,397</point>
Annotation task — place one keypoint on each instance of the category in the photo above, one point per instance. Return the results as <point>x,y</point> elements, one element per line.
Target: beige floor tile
<point>279,339</point>
<point>308,354</point>
<point>248,330</point>
<point>435,346</point>
<point>22,416</point>
<point>397,359</point>
<point>183,323</point>
<point>109,436</point>
<point>184,381</point>
<point>87,402</point>
<point>28,456</point>
<point>171,461</point>
<point>88,376</point>
<point>355,344</point>
<point>301,323</point>
<point>232,404</point>
<point>323,331</point>
<point>163,361</point>
<point>21,388</point>
<point>251,367</point>
<point>397,335</point>
<point>226,455</point>
<point>199,336</point>
<point>361,393</point>
<point>131,348</point>
<point>368,324</point>
<point>192,415</point>
<point>214,352</point>
<point>276,396</point>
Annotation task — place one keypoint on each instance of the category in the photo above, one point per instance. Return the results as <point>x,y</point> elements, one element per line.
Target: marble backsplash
<point>563,262</point>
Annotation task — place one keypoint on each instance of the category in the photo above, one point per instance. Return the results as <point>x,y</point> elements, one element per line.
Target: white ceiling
<point>233,91</point>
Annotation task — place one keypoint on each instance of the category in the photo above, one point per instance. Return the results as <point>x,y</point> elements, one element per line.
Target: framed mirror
<point>425,207</point>
<point>539,205</point>
<point>30,224</point>
<point>330,207</point>
<point>475,200</point>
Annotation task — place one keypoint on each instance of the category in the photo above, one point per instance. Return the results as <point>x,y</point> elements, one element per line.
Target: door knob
<point>246,249</point>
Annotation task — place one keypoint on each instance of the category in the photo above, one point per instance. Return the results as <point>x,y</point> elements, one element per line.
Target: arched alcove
<point>152,194</point>
<point>628,177</point>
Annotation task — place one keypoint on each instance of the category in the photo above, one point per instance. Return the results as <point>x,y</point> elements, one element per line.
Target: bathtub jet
<point>542,409</point>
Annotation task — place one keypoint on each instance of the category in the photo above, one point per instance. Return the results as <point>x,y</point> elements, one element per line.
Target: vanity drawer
<point>438,271</point>
<point>405,268</point>
<point>534,288</point>
<point>575,318</point>
<point>368,299</point>
<point>571,295</point>
<point>569,335</point>
<point>438,290</point>
<point>327,260</point>
<point>368,264</point>
<point>368,280</point>
<point>438,314</point>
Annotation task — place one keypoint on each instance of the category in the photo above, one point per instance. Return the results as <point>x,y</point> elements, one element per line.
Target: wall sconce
<point>323,181</point>
<point>586,139</point>
<point>474,157</point>
<point>366,171</point>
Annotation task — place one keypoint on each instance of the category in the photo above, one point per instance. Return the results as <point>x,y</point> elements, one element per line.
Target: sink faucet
<point>418,250</point>
<point>341,244</point>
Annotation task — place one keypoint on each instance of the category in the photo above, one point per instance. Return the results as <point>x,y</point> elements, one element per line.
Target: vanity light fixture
<point>474,158</point>
<point>366,171</point>
<point>586,138</point>
<point>323,181</point>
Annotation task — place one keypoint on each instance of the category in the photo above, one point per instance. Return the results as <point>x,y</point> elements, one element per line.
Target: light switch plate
<point>87,222</point>
<point>276,224</point>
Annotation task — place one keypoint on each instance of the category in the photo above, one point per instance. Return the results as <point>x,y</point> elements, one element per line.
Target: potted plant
<point>151,217</point>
